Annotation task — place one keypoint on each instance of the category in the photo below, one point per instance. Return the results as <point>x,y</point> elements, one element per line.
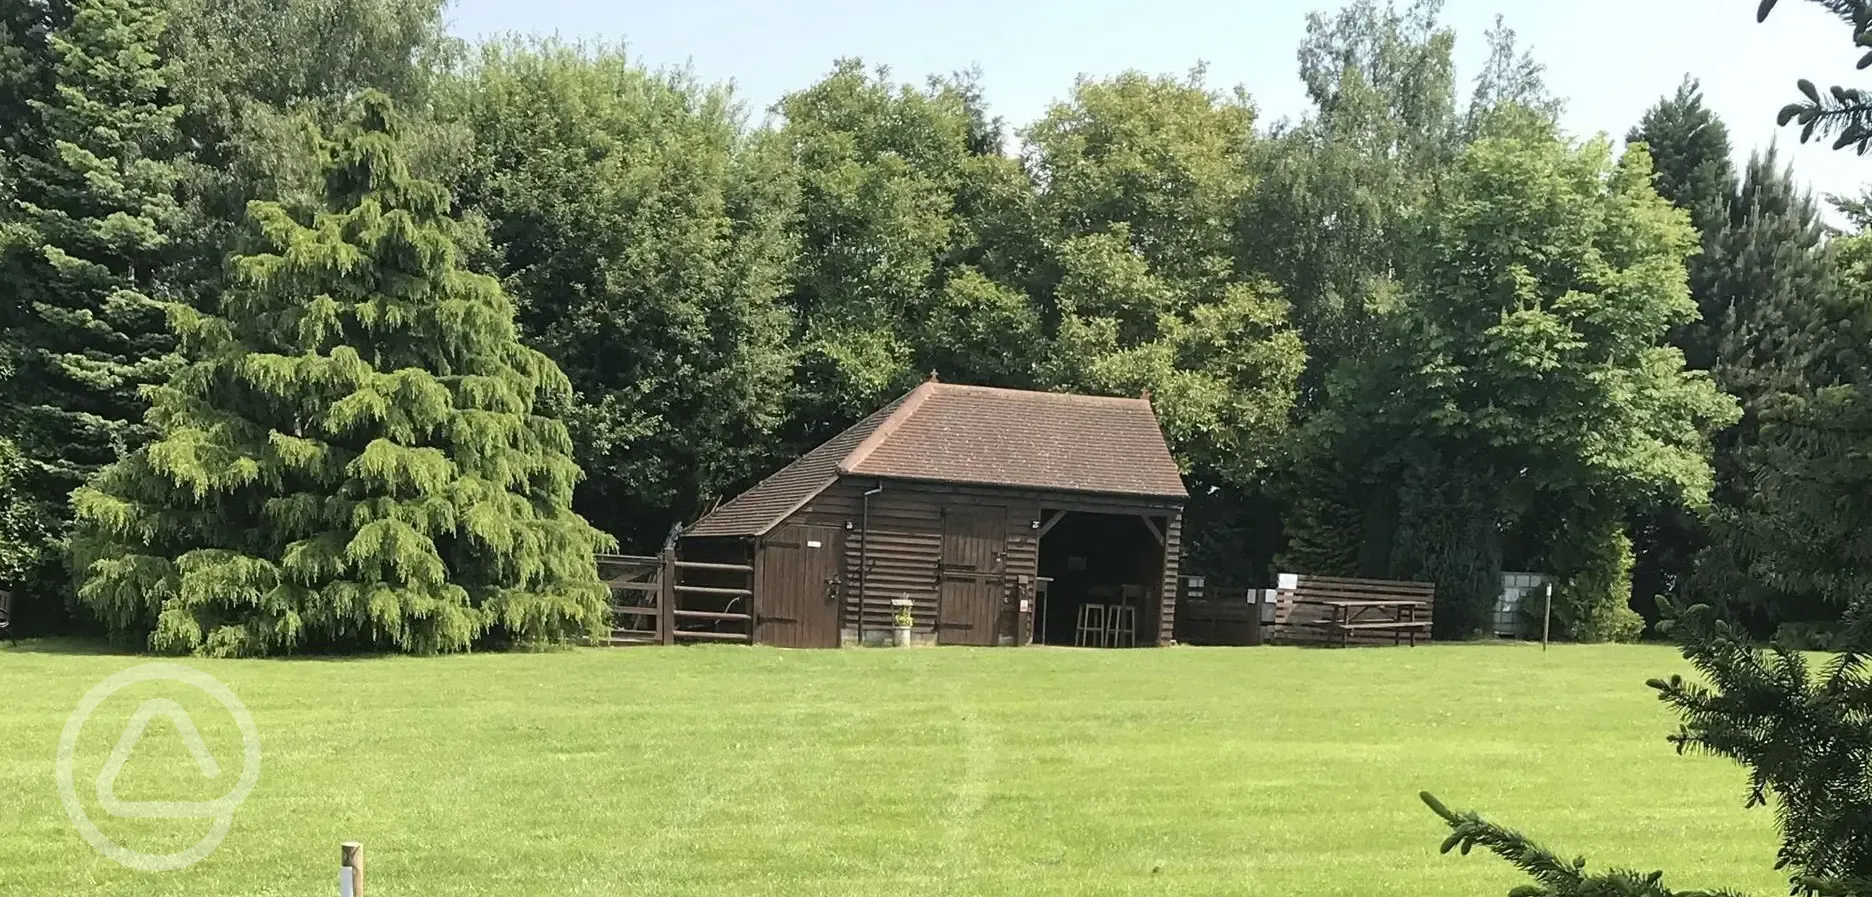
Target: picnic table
<point>1345,616</point>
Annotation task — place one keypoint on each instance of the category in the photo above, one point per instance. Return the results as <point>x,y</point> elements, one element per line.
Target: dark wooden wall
<point>906,534</point>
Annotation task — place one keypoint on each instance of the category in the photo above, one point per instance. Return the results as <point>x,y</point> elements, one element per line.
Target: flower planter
<point>900,636</point>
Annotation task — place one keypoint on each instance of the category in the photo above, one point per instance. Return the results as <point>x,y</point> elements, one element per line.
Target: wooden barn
<point>996,516</point>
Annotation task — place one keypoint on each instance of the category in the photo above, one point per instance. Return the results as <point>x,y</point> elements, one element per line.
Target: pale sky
<point>1610,59</point>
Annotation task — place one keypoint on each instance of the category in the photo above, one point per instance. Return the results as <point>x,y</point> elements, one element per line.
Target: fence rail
<point>648,601</point>
<point>1232,615</point>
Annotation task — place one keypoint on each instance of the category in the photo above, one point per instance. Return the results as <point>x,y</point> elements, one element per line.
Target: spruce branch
<point>1805,737</point>
<point>1554,877</point>
<point>1843,112</point>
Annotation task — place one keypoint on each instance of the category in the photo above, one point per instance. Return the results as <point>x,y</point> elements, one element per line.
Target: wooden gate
<point>973,552</point>
<point>653,601</point>
<point>800,587</point>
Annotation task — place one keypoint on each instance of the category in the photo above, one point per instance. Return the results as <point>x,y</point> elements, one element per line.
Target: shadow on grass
<point>99,647</point>
<point>77,645</point>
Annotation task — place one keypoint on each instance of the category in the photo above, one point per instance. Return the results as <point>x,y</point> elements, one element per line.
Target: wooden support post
<point>351,869</point>
<point>753,584</point>
<point>1049,524</point>
<point>666,598</point>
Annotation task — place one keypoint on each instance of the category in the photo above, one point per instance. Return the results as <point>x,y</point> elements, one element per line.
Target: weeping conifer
<point>360,453</point>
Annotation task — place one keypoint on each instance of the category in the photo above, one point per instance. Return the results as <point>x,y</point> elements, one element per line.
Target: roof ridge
<point>1063,396</point>
<point>905,408</point>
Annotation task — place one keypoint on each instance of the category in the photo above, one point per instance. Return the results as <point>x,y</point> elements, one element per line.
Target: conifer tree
<point>1690,149</point>
<point>91,197</point>
<point>1792,538</point>
<point>360,452</point>
<point>25,70</point>
<point>1774,278</point>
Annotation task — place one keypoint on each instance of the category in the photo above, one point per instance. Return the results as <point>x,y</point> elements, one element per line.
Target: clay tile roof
<point>771,500</point>
<point>977,435</point>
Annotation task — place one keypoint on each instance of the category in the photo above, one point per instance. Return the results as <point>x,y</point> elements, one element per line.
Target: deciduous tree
<point>1533,366</point>
<point>911,245</point>
<point>1141,182</point>
<point>644,236</point>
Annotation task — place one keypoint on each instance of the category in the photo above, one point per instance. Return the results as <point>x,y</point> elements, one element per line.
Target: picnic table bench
<point>1397,616</point>
<point>1343,609</point>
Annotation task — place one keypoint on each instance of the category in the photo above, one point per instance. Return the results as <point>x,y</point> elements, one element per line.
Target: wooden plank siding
<point>1167,587</point>
<point>906,527</point>
<point>1212,615</point>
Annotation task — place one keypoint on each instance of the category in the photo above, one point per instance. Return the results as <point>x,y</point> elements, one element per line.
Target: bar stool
<point>1126,630</point>
<point>1091,624</point>
<point>1121,626</point>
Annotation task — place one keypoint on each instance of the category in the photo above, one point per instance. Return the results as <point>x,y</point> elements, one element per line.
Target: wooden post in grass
<point>1546,619</point>
<point>351,871</point>
<point>666,596</point>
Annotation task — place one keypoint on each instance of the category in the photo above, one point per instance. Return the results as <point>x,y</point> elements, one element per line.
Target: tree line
<point>323,329</point>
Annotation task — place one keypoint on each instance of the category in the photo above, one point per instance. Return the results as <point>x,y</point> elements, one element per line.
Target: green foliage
<point>1690,151</point>
<point>1323,520</point>
<point>1785,535</point>
<point>1449,532</point>
<point>259,80</point>
<point>1511,92</point>
<point>1553,876</point>
<point>359,453</point>
<point>24,536</point>
<point>1787,539</point>
<point>1796,549</point>
<point>898,195</point>
<point>645,239</point>
<point>1776,271</point>
<point>1414,333</point>
<point>1801,736</point>
<point>25,71</point>
<point>1593,561</point>
<point>89,192</point>
<point>1142,178</point>
<point>1530,360</point>
<point>1335,194</point>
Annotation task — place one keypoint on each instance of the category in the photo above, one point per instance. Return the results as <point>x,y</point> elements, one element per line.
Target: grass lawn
<point>722,770</point>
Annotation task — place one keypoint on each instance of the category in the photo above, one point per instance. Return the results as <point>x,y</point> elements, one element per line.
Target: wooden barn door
<point>974,547</point>
<point>799,590</point>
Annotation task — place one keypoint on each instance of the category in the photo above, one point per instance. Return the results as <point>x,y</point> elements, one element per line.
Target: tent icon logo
<point>220,810</point>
